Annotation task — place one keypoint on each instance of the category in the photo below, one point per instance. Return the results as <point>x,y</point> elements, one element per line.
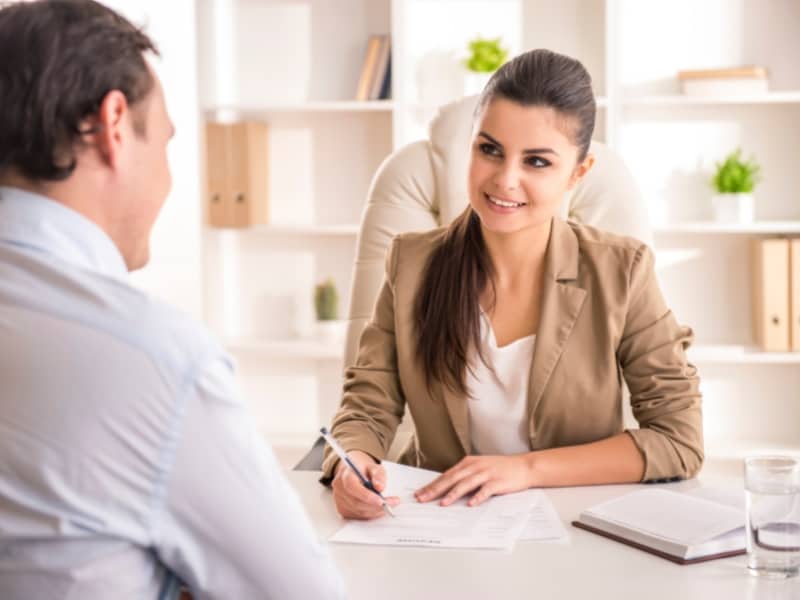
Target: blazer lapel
<point>562,301</point>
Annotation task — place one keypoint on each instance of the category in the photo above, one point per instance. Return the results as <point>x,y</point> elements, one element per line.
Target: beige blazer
<point>602,318</point>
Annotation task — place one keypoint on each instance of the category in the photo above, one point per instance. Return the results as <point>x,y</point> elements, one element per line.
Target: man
<point>127,458</point>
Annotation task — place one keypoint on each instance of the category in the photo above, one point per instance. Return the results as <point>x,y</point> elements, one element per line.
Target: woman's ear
<point>581,170</point>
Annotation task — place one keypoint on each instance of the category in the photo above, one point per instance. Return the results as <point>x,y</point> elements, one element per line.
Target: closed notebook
<point>679,527</point>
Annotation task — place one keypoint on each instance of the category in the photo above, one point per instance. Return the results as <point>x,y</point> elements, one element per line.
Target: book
<point>381,69</point>
<point>369,67</point>
<point>733,81</point>
<point>386,89</point>
<point>682,528</point>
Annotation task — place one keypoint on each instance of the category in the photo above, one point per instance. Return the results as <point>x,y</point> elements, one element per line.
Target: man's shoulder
<point>94,305</point>
<point>162,329</point>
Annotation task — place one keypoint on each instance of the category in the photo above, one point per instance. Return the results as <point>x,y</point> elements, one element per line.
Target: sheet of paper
<point>496,523</point>
<point>544,522</point>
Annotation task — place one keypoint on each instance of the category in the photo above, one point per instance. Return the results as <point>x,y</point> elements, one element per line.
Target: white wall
<point>174,272</point>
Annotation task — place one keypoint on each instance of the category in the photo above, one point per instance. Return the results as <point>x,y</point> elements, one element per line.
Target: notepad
<point>680,527</point>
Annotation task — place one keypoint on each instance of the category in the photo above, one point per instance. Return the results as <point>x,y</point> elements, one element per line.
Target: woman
<point>507,334</point>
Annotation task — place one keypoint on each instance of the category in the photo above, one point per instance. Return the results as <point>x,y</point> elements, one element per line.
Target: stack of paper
<point>497,523</point>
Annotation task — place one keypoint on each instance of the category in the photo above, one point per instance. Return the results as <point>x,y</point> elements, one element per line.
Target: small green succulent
<point>736,176</point>
<point>326,301</point>
<point>486,55</point>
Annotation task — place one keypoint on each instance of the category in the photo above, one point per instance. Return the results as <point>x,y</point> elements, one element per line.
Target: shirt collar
<point>43,225</point>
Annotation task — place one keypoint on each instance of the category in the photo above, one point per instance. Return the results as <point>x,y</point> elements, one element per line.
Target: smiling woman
<point>505,334</point>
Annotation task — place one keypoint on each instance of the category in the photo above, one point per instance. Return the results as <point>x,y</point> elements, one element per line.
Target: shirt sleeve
<point>231,525</point>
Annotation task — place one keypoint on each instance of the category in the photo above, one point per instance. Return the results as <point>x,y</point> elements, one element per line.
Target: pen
<point>346,458</point>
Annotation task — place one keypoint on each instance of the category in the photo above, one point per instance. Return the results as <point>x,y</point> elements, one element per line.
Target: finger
<point>354,507</point>
<point>482,495</point>
<point>377,475</point>
<point>444,482</point>
<point>357,511</point>
<point>463,487</point>
<point>358,493</point>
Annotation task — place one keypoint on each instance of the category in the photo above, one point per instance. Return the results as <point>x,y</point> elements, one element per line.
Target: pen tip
<point>323,430</point>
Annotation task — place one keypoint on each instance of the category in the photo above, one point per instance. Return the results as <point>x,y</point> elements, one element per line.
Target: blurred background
<point>311,96</point>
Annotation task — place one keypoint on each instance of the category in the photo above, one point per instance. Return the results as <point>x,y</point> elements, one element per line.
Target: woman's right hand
<point>352,499</point>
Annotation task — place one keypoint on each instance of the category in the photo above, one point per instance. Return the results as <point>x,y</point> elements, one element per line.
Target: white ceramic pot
<point>332,332</point>
<point>475,82</point>
<point>733,208</point>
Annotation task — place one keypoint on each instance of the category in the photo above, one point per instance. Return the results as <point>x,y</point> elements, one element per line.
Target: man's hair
<point>58,60</point>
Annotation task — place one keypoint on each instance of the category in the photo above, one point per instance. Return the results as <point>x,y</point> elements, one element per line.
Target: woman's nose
<point>506,178</point>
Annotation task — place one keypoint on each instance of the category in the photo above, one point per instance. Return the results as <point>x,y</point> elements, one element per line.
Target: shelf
<point>738,450</point>
<point>743,355</point>
<point>602,102</point>
<point>346,230</point>
<point>310,349</point>
<point>766,227</point>
<point>340,106</point>
<point>679,100</point>
<point>313,230</point>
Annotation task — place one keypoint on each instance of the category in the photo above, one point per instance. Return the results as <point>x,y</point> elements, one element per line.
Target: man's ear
<point>581,170</point>
<point>106,130</point>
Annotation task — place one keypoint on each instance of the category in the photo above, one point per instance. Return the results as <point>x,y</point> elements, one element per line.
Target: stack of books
<point>734,81</point>
<point>374,83</point>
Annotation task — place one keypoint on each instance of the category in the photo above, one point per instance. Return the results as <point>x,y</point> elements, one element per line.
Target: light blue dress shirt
<point>126,451</point>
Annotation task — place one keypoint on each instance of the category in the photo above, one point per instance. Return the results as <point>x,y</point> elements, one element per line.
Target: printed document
<point>496,523</point>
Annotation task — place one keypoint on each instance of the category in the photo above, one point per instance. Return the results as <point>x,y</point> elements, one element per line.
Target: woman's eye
<point>535,161</point>
<point>489,150</point>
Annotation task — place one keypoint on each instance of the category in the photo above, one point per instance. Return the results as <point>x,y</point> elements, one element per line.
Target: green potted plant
<point>733,182</point>
<point>326,305</point>
<point>485,57</point>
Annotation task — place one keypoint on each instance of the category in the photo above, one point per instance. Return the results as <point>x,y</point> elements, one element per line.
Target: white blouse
<point>498,400</point>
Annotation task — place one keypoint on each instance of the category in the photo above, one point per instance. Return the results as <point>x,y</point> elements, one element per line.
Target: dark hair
<point>447,309</point>
<point>58,60</point>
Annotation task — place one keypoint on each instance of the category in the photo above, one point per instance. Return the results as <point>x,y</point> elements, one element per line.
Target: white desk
<point>589,566</point>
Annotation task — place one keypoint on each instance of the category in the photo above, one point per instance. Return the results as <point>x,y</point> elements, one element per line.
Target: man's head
<point>83,117</point>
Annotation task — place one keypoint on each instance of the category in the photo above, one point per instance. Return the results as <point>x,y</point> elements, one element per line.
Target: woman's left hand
<point>489,475</point>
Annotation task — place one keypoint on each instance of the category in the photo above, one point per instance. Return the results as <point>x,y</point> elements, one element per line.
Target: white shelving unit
<point>790,97</point>
<point>291,349</point>
<point>296,64</point>
<point>741,355</point>
<point>786,227</point>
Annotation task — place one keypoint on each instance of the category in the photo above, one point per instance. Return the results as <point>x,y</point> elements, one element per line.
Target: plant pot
<point>332,332</point>
<point>475,82</point>
<point>733,208</point>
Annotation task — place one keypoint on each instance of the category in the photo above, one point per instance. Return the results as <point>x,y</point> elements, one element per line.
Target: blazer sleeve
<point>664,386</point>
<point>372,402</point>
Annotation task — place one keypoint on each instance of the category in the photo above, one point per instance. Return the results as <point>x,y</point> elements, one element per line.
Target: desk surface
<point>587,566</point>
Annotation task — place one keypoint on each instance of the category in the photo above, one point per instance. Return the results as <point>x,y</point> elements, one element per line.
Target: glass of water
<point>772,490</point>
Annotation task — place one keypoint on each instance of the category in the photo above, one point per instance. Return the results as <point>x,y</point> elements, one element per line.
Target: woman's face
<point>522,162</point>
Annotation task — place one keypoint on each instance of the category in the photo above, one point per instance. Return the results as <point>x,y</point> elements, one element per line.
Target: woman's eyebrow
<point>527,151</point>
